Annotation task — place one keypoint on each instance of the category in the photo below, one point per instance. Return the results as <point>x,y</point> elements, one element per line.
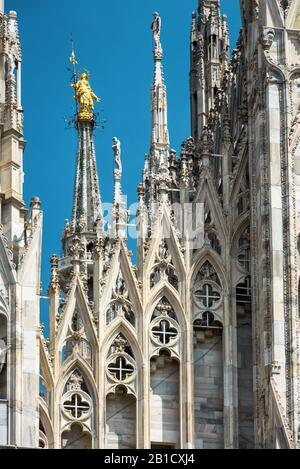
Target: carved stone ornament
<point>268,38</point>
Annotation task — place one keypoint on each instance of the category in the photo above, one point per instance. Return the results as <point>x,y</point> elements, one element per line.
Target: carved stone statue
<point>85,97</point>
<point>156,29</point>
<point>117,152</point>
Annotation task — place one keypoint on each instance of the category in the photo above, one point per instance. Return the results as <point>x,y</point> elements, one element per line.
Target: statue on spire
<point>156,29</point>
<point>85,97</point>
<point>117,153</point>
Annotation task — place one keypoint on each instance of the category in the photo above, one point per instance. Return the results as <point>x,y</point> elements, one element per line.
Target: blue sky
<point>113,41</point>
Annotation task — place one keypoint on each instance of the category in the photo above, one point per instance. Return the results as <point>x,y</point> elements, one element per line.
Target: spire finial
<point>156,30</point>
<point>159,127</point>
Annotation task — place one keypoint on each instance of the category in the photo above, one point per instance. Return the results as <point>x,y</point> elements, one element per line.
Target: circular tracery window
<point>207,295</point>
<point>76,406</point>
<point>120,369</point>
<point>164,332</point>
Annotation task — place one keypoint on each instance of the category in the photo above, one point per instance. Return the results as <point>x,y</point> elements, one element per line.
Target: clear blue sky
<point>113,41</point>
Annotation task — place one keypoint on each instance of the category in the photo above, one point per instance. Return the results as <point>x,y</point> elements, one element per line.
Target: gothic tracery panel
<point>163,268</point>
<point>77,342</point>
<point>207,290</point>
<point>121,367</point>
<point>77,412</point>
<point>120,305</point>
<point>164,329</point>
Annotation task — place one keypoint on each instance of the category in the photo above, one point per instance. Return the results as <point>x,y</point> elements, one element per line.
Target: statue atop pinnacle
<point>156,30</point>
<point>84,94</point>
<point>85,97</point>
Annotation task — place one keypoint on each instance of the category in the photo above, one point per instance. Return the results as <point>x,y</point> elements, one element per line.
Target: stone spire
<point>159,127</point>
<point>87,202</point>
<point>209,61</point>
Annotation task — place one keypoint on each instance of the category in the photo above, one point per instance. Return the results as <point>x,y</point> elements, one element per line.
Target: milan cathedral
<point>197,345</point>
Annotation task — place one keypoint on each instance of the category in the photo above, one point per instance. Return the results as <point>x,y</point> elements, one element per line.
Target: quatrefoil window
<point>76,407</point>
<point>120,369</point>
<point>164,332</point>
<point>207,296</point>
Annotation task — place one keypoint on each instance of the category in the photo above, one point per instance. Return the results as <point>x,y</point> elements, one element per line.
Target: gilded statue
<point>85,97</point>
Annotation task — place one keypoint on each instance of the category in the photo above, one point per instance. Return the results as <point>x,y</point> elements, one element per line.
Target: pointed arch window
<point>121,363</point>
<point>207,290</point>
<point>164,324</point>
<point>76,402</point>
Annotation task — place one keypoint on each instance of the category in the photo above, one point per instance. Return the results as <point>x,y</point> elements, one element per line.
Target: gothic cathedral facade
<point>197,345</point>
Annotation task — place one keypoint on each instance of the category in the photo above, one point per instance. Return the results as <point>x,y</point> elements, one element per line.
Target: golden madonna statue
<point>85,97</point>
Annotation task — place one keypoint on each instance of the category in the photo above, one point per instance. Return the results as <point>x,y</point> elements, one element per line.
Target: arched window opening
<point>164,325</point>
<point>121,420</point>
<point>208,307</point>
<point>77,409</point>
<point>121,409</point>
<point>165,401</point>
<point>208,383</point>
<point>76,438</point>
<point>120,363</point>
<point>207,290</point>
